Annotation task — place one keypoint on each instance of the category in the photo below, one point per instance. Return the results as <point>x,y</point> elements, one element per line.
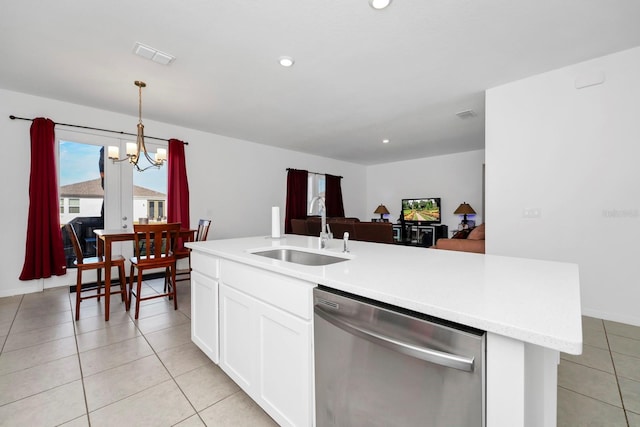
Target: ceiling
<point>360,75</point>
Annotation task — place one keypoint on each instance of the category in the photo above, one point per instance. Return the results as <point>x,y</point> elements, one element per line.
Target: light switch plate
<point>532,213</point>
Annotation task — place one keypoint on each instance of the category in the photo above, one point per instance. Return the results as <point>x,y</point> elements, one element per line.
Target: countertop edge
<point>314,275</point>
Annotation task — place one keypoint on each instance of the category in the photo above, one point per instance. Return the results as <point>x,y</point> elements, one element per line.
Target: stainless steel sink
<point>300,257</point>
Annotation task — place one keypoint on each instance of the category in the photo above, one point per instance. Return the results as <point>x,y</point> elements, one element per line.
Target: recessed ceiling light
<point>379,4</point>
<point>286,61</point>
<point>385,141</point>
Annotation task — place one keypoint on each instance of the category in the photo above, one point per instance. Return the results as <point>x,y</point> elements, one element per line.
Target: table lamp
<point>382,210</point>
<point>464,209</point>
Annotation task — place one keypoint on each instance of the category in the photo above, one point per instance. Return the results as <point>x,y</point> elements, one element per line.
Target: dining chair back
<point>154,246</point>
<point>95,263</point>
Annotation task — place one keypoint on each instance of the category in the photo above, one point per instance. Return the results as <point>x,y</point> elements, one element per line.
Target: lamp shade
<point>382,210</point>
<point>464,209</point>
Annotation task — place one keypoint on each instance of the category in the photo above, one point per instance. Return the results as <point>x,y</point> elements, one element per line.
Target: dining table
<point>105,239</point>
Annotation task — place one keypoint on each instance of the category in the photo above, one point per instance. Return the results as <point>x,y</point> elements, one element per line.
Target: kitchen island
<point>248,310</point>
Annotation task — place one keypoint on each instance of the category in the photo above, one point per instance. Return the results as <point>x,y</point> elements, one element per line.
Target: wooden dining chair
<point>95,263</point>
<point>154,246</point>
<point>201,234</point>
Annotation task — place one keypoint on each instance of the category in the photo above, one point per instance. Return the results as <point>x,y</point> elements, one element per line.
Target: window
<point>150,189</point>
<point>315,187</point>
<point>80,183</point>
<point>156,210</point>
<point>74,205</point>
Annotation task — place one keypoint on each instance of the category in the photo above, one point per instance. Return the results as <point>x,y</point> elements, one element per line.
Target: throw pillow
<point>461,234</point>
<point>477,233</point>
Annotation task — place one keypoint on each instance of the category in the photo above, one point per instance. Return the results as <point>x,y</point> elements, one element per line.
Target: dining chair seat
<point>95,263</point>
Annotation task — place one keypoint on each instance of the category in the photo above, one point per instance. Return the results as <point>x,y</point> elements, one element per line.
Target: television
<point>424,211</point>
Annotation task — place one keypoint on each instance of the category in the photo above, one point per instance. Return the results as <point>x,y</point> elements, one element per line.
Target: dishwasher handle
<point>449,360</point>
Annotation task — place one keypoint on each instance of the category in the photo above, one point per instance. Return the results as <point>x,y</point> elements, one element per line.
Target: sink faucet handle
<point>345,238</point>
<point>329,233</point>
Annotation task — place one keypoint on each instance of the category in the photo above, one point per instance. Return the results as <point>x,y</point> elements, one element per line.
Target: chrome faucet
<point>324,235</point>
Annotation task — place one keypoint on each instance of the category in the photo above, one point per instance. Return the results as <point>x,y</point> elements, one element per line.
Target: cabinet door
<point>204,314</point>
<point>285,366</point>
<point>238,337</point>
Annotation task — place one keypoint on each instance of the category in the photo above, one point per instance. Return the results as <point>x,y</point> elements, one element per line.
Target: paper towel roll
<point>275,222</point>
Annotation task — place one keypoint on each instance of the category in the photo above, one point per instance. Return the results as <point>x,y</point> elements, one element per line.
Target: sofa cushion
<point>477,233</point>
<point>463,245</point>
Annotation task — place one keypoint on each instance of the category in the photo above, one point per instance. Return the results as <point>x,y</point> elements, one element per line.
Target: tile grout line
<point>169,372</point>
<point>75,336</point>
<point>11,326</point>
<point>615,373</point>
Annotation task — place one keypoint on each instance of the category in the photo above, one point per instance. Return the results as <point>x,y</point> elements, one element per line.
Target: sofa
<point>464,241</point>
<point>378,232</point>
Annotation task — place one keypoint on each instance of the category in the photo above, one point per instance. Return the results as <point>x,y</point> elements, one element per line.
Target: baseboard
<point>614,317</point>
<point>33,287</point>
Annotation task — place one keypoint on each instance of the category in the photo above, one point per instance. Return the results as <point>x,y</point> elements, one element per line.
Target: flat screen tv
<point>424,211</point>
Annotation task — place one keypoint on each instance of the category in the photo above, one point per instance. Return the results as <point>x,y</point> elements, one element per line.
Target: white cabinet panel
<point>284,292</point>
<point>204,314</point>
<point>267,351</point>
<point>285,365</point>
<point>205,264</point>
<point>238,337</point>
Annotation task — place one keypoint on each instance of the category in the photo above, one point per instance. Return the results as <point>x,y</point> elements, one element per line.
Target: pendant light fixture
<point>135,150</point>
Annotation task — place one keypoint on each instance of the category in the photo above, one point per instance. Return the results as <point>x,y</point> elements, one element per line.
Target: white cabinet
<point>285,364</point>
<point>265,347</point>
<point>238,336</point>
<point>204,303</point>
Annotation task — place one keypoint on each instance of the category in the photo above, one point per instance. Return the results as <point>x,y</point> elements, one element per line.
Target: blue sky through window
<point>79,162</point>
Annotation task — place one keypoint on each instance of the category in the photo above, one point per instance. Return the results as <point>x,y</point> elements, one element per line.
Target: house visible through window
<point>81,195</point>
<point>150,190</point>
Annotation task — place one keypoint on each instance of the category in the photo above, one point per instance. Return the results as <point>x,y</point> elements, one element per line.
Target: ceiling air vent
<point>153,54</point>
<point>467,114</point>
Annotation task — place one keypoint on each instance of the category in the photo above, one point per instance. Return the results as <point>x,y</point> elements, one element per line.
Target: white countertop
<point>529,300</point>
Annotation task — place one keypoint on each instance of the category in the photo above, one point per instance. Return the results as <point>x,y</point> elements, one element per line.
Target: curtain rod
<point>12,117</point>
<point>315,173</point>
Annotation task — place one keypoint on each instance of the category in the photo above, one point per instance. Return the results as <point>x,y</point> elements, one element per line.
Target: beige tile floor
<point>601,387</point>
<point>55,371</point>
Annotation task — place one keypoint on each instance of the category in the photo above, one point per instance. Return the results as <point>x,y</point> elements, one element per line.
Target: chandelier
<point>135,150</point>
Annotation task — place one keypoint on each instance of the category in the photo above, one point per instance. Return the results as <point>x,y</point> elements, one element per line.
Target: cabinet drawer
<point>205,264</point>
<point>289,294</point>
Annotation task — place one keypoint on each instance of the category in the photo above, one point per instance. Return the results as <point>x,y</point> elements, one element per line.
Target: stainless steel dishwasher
<point>379,365</point>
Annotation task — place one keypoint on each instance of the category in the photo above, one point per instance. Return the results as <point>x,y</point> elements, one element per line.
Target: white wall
<point>231,181</point>
<point>455,178</point>
<point>572,154</point>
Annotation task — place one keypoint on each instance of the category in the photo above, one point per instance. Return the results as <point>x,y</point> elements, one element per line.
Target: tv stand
<point>416,234</point>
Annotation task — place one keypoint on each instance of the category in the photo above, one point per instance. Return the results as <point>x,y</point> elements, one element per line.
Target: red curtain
<point>333,196</point>
<point>296,205</point>
<point>178,191</point>
<point>44,252</point>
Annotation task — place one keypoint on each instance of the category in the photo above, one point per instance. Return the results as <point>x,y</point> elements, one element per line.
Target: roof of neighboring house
<point>93,189</point>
